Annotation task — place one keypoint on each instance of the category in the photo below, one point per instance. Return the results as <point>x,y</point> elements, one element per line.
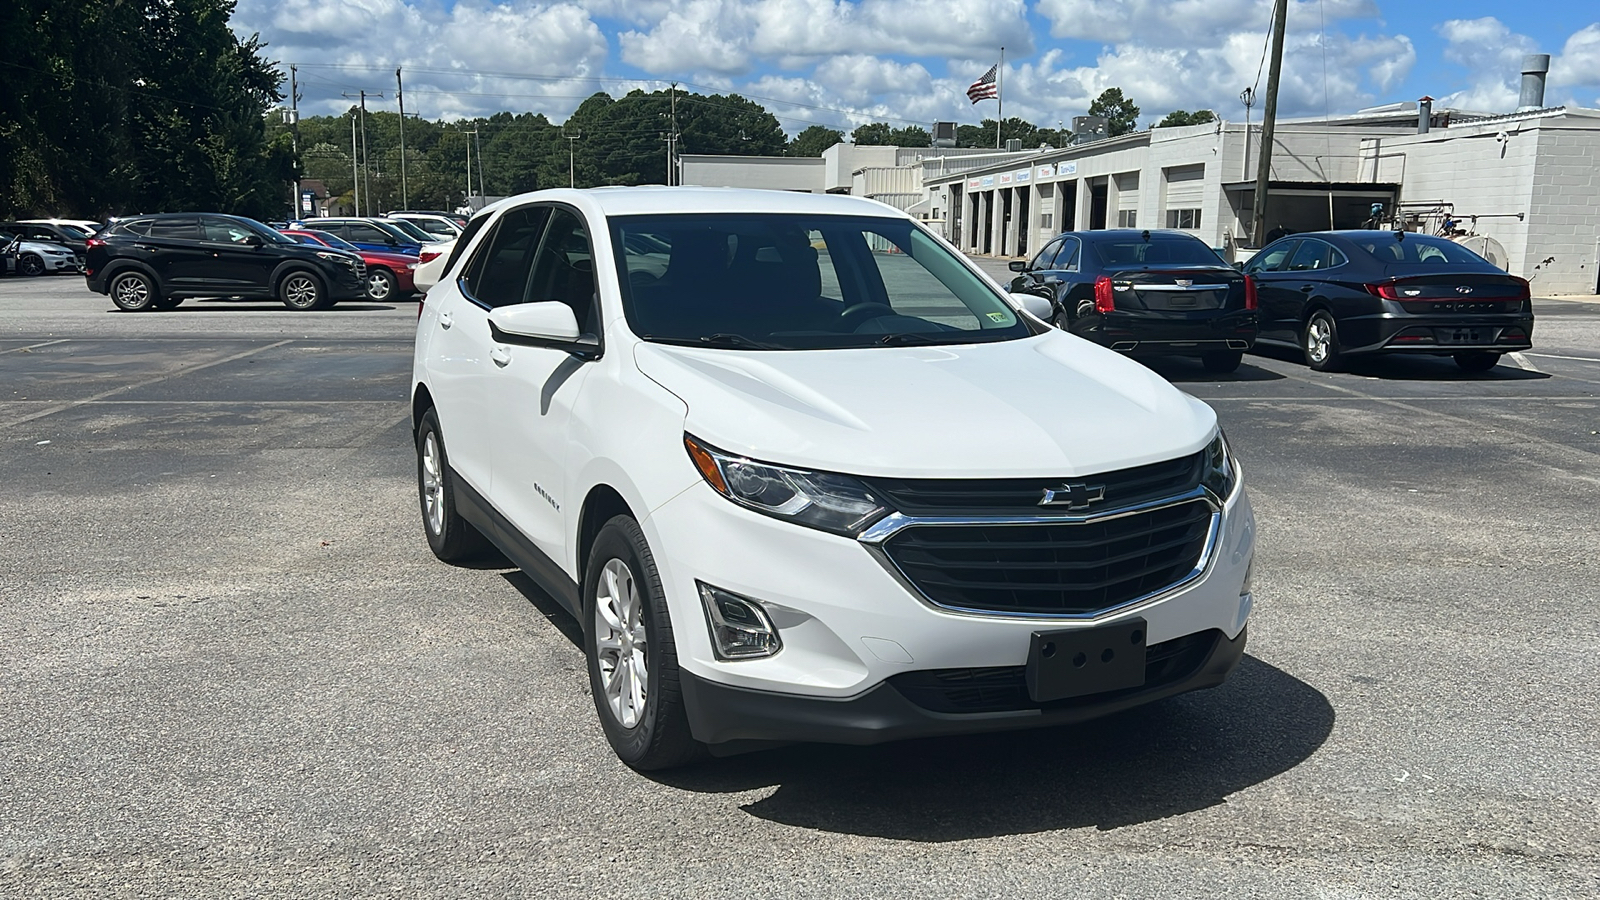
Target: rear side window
<point>1046,256</point>
<point>175,229</point>
<point>1315,255</point>
<point>369,234</point>
<point>137,227</point>
<point>467,234</point>
<point>1068,257</point>
<point>498,273</point>
<point>1420,250</point>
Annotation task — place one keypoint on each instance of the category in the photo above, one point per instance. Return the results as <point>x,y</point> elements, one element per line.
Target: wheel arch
<point>289,267</point>
<point>601,505</point>
<point>421,402</point>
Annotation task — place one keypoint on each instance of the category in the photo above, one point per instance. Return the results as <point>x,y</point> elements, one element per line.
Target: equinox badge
<point>1073,496</point>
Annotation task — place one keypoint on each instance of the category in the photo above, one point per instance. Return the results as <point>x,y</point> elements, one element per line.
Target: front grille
<point>1014,496</point>
<point>1053,568</point>
<point>1005,688</point>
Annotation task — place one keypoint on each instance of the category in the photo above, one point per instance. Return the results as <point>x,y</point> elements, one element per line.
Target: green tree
<point>982,134</point>
<point>815,139</point>
<point>873,134</point>
<point>911,136</point>
<point>1180,117</point>
<point>1120,114</point>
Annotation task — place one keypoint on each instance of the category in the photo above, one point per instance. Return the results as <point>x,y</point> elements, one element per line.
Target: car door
<point>1030,281</point>
<point>1304,278</point>
<point>1277,292</point>
<point>175,252</point>
<point>235,264</point>
<point>461,373</point>
<point>534,389</point>
<point>370,237</point>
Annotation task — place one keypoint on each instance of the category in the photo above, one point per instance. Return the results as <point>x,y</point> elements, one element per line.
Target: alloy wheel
<point>621,643</point>
<point>300,291</point>
<point>432,484</point>
<point>132,292</point>
<point>1319,336</point>
<point>378,286</point>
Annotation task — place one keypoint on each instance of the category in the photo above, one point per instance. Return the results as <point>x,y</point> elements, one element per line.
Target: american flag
<point>985,88</point>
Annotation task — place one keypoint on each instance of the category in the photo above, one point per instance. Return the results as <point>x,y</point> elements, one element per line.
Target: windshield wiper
<point>720,339</point>
<point>911,337</point>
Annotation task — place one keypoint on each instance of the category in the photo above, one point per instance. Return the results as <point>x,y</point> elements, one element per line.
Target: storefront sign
<point>1046,171</point>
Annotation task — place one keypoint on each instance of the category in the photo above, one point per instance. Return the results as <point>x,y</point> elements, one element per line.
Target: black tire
<point>1060,320</point>
<point>450,537</point>
<point>659,737</point>
<point>1222,361</point>
<point>301,290</point>
<point>30,264</point>
<point>1319,341</point>
<point>134,292</point>
<point>1477,360</point>
<point>381,284</point>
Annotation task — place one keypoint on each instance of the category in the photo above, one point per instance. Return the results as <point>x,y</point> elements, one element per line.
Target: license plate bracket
<point>1082,661</point>
<point>1459,335</point>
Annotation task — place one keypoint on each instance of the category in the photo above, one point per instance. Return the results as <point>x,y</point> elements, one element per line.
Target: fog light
<point>740,628</point>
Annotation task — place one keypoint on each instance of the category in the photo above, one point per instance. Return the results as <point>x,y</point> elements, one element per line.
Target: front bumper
<point>849,627</point>
<point>723,716</point>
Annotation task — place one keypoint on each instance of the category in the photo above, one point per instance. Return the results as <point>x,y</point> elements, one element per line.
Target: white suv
<point>803,473</point>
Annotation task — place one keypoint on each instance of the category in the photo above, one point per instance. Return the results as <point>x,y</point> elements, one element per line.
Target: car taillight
<point>1250,301</point>
<point>428,256</point>
<point>1102,295</point>
<point>94,242</point>
<point>1387,290</point>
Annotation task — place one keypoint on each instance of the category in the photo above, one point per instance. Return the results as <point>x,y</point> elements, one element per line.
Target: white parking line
<point>32,346</point>
<point>1554,356</point>
<point>1522,362</point>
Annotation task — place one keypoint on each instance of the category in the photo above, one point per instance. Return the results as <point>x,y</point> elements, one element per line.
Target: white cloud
<point>1187,23</point>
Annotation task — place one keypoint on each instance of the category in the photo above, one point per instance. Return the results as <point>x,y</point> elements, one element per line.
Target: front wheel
<point>134,292</point>
<point>1477,360</point>
<point>1222,361</point>
<point>1320,343</point>
<point>381,284</point>
<point>30,264</point>
<point>302,291</point>
<point>633,662</point>
<point>450,537</point>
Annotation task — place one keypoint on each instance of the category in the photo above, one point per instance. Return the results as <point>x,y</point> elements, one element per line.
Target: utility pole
<point>482,191</point>
<point>400,98</point>
<point>294,132</point>
<point>572,166</point>
<point>355,175</point>
<point>672,136</point>
<point>1269,119</point>
<point>366,189</point>
<point>1000,98</point>
<point>470,210</point>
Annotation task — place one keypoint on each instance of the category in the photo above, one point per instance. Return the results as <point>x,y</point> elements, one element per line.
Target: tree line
<point>117,106</point>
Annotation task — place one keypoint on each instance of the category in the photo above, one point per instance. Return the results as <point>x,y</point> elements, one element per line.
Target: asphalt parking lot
<point>232,668</point>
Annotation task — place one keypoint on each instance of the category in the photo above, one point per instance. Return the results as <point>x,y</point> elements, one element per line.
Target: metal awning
<point>1315,188</point>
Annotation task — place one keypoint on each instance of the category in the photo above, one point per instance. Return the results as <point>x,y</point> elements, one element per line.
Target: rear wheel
<point>134,292</point>
<point>1320,342</point>
<point>380,284</point>
<point>452,538</point>
<point>302,291</point>
<point>633,662</point>
<point>30,264</point>
<point>1477,360</point>
<point>1222,361</point>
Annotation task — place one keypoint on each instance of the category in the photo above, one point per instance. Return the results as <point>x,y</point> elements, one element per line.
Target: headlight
<point>336,257</point>
<point>836,503</point>
<point>1220,474</point>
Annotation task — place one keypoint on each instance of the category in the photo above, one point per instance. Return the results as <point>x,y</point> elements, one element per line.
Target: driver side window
<point>1270,259</point>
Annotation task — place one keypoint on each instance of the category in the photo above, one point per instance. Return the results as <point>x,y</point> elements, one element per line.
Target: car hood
<point>1052,405</point>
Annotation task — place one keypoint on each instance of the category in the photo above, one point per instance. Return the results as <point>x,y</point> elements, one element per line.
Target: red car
<point>389,275</point>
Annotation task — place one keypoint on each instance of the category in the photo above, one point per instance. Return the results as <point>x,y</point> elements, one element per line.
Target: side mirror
<point>252,240</point>
<point>391,242</point>
<point>546,324</point>
<point>1239,266</point>
<point>1017,265</point>
<point>1037,306</point>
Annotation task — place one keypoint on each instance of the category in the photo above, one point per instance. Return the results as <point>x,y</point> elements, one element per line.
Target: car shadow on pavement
<point>252,306</point>
<point>1178,369</point>
<point>1150,763</point>
<point>1402,367</point>
<point>538,599</point>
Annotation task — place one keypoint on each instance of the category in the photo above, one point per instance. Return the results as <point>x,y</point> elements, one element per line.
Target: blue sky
<point>843,62</point>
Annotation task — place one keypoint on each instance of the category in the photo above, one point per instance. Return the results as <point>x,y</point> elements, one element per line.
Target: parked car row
<point>1333,295</point>
<point>39,246</point>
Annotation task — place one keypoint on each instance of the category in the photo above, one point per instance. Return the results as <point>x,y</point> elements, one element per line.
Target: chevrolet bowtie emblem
<point>1073,496</point>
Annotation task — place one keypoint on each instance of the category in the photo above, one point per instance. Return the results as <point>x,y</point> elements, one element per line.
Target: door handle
<point>500,355</point>
<point>1307,288</point>
<point>445,321</point>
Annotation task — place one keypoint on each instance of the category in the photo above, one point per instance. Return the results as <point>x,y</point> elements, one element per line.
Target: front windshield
<point>334,241</point>
<point>411,231</point>
<point>800,282</point>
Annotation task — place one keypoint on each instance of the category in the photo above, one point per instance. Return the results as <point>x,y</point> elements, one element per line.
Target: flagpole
<point>999,96</point>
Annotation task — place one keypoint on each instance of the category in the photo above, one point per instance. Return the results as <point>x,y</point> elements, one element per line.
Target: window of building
<point>1046,220</point>
<point>1127,218</point>
<point>1183,218</point>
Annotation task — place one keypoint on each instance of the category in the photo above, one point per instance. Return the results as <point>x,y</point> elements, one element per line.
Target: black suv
<point>153,262</point>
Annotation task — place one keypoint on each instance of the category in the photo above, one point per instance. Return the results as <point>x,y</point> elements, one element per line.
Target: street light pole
<point>572,166</point>
<point>400,98</point>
